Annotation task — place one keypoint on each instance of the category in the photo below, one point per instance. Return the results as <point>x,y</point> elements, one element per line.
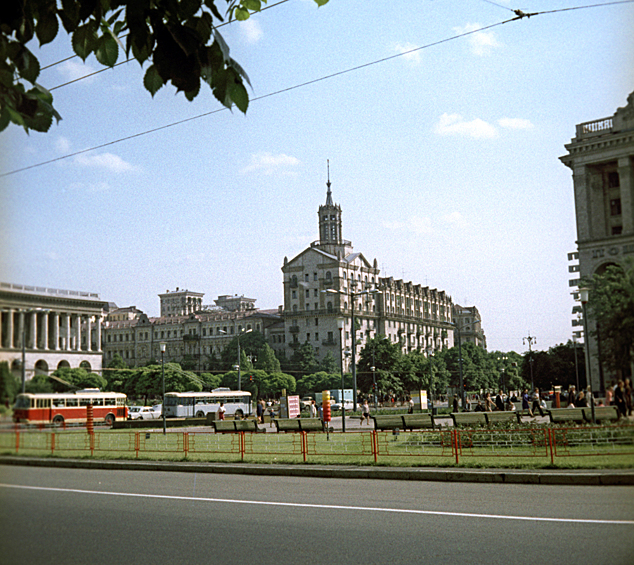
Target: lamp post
<point>373,369</point>
<point>340,324</point>
<point>584,296</point>
<point>530,340</point>
<point>162,346</point>
<point>574,344</point>
<point>353,296</point>
<point>431,380</point>
<point>239,374</point>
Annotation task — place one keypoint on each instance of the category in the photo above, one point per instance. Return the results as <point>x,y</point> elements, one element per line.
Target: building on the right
<point>601,156</point>
<point>468,323</point>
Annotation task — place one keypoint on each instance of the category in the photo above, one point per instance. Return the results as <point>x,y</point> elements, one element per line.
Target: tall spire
<point>328,194</point>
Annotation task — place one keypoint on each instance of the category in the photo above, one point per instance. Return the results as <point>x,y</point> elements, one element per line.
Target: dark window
<point>617,230</point>
<point>613,180</point>
<point>615,207</point>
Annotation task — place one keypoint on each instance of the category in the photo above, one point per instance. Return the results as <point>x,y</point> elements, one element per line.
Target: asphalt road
<point>69,516</point>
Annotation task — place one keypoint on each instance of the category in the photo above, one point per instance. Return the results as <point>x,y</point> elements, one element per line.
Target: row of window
<point>167,334</point>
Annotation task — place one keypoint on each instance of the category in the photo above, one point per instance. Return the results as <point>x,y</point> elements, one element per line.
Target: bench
<point>418,421</point>
<point>287,424</point>
<point>247,426</point>
<point>559,415</point>
<point>224,426</point>
<point>468,419</point>
<point>388,422</point>
<point>601,413</point>
<point>311,425</point>
<point>502,417</point>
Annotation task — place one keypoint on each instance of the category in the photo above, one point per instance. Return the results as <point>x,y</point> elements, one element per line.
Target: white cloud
<point>414,224</point>
<point>482,42</point>
<point>108,161</point>
<point>62,144</point>
<point>455,124</point>
<point>72,70</point>
<point>413,57</point>
<point>251,30</point>
<point>271,164</point>
<point>515,123</point>
<point>455,219</point>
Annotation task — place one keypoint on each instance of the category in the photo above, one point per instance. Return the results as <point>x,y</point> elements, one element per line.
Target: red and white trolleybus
<point>57,408</point>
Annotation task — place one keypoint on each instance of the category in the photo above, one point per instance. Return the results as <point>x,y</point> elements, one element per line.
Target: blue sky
<point>444,160</point>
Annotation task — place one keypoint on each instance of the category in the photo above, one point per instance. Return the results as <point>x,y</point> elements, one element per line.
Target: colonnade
<point>48,330</point>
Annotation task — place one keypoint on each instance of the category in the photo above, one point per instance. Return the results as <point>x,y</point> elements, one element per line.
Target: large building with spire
<point>328,285</point>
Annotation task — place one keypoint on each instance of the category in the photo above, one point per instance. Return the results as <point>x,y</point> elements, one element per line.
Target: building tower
<point>330,232</point>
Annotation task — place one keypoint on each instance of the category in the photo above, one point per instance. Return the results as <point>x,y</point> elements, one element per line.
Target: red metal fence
<point>455,445</point>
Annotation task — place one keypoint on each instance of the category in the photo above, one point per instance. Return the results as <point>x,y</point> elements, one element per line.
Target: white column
<point>77,332</point>
<point>98,323</point>
<point>33,343</point>
<point>67,328</point>
<point>55,331</point>
<point>10,329</point>
<point>45,331</point>
<point>88,333</point>
<point>21,332</point>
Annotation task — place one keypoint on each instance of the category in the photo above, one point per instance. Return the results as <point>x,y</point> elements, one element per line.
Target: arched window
<point>328,276</point>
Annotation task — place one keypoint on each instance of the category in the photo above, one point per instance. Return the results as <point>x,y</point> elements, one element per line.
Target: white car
<point>348,405</point>
<point>144,413</point>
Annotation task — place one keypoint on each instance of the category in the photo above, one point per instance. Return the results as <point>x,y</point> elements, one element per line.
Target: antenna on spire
<point>328,194</point>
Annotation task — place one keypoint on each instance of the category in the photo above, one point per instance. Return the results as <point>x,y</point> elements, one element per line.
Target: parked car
<point>348,405</point>
<point>144,413</point>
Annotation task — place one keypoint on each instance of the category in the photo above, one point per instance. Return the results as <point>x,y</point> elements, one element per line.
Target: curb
<point>608,477</point>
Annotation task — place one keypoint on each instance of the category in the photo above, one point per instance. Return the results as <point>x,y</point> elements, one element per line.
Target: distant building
<point>328,282</point>
<point>469,322</point>
<point>190,330</point>
<point>601,156</point>
<point>58,328</point>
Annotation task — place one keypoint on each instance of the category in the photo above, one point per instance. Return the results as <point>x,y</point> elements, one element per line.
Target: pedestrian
<point>272,415</point>
<point>221,411</point>
<point>455,403</point>
<point>499,401</point>
<point>525,402</point>
<point>582,401</point>
<point>410,403</point>
<point>628,396</point>
<point>366,413</point>
<point>572,397</point>
<point>510,406</point>
<point>619,398</point>
<point>488,403</point>
<point>313,409</point>
<point>536,403</point>
<point>609,396</point>
<point>259,409</point>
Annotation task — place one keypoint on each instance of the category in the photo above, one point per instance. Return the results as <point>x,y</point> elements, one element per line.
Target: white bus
<point>199,404</point>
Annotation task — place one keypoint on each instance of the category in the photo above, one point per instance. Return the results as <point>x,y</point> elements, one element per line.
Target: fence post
<point>186,443</point>
<point>454,434</point>
<point>52,443</point>
<point>89,419</point>
<point>243,446</point>
<point>550,443</point>
<point>137,443</point>
<point>17,441</point>
<point>375,445</point>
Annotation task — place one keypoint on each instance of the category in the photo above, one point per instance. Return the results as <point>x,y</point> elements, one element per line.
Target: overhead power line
<point>520,15</point>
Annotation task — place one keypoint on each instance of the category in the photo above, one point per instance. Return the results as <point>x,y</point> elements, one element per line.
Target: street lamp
<point>340,324</point>
<point>239,374</point>
<point>458,330</point>
<point>583,297</point>
<point>162,346</point>
<point>353,297</point>
<point>431,380</point>
<point>531,340</point>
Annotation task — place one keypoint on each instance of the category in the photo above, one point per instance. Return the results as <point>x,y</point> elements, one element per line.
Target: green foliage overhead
<point>9,385</point>
<point>178,40</point>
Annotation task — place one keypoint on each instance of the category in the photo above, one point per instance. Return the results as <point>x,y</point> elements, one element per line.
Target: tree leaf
<point>253,5</point>
<point>107,50</point>
<point>321,3</point>
<point>28,65</point>
<point>84,40</point>
<point>240,96</point>
<point>241,14</point>
<point>152,80</point>
<point>47,27</point>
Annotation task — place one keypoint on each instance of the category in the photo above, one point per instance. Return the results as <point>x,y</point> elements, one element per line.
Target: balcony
<point>595,128</point>
<point>191,337</point>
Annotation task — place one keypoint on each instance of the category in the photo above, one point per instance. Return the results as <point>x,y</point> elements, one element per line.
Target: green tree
<point>39,383</point>
<point>328,364</point>
<point>147,382</point>
<point>77,378</point>
<point>386,357</point>
<point>180,41</point>
<point>250,345</point>
<point>9,385</point>
<point>267,361</point>
<point>210,381</point>
<point>303,360</point>
<point>116,374</point>
<point>320,381</point>
<point>611,304</point>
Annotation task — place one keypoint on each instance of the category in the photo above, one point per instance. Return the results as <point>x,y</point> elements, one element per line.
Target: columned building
<point>328,285</point>
<point>601,156</point>
<point>50,328</point>
<point>469,323</point>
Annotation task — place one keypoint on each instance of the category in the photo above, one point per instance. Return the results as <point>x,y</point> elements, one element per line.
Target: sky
<point>445,159</point>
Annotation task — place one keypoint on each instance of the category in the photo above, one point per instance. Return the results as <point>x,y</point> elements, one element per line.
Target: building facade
<point>193,336</point>
<point>49,329</point>
<point>601,156</point>
<point>328,285</point>
<point>469,324</point>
